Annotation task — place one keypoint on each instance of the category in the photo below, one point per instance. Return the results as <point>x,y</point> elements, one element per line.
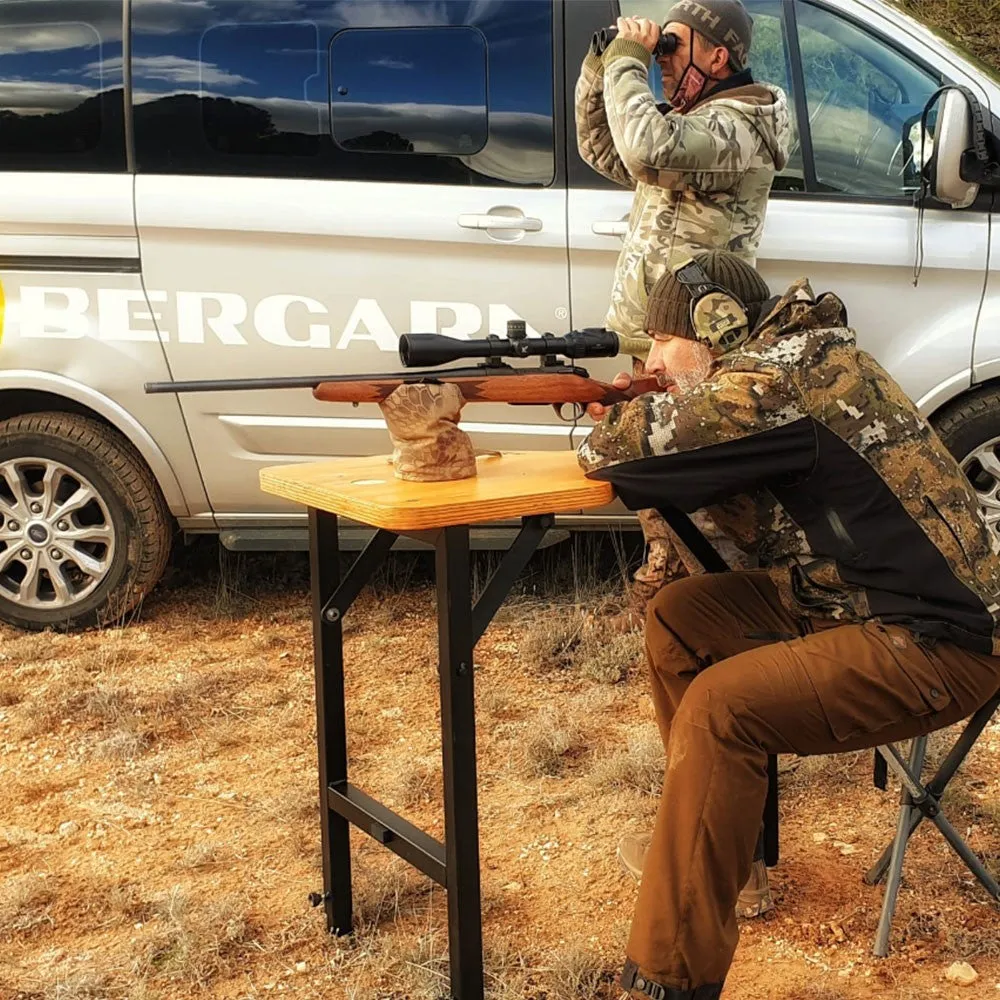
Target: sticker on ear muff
<point>719,320</point>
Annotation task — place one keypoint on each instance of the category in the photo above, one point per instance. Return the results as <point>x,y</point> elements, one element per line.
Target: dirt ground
<point>159,828</point>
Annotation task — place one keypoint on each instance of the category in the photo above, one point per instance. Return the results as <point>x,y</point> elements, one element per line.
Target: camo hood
<point>806,452</point>
<point>701,179</point>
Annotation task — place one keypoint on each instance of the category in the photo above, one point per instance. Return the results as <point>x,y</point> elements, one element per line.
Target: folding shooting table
<point>532,486</point>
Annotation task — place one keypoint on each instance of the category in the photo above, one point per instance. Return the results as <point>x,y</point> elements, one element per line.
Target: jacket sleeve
<point>708,150</point>
<point>726,437</point>
<point>593,135</point>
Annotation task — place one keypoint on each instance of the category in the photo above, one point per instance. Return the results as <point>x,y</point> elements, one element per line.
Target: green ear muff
<point>718,317</point>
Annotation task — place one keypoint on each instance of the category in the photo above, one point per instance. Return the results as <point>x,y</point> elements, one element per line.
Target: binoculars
<point>666,45</point>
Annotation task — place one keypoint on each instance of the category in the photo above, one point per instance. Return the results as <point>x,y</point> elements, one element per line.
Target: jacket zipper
<point>928,502</point>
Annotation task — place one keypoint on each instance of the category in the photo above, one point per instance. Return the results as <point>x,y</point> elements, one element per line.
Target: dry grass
<point>555,738</point>
<point>292,805</point>
<point>11,693</point>
<point>25,903</point>
<point>609,658</point>
<point>203,856</point>
<point>639,767</point>
<point>573,972</point>
<point>83,984</point>
<point>194,942</point>
<point>549,636</point>
<point>387,890</point>
<point>124,903</point>
<point>416,781</point>
<point>569,638</point>
<point>32,649</point>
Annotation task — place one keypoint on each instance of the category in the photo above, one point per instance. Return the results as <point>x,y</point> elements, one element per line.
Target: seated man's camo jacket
<point>702,179</point>
<point>804,450</point>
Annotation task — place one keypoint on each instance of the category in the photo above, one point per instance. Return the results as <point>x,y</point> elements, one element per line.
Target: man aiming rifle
<point>701,167</point>
<point>875,617</point>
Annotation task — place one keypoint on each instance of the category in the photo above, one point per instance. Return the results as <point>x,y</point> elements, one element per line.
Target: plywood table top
<point>513,484</point>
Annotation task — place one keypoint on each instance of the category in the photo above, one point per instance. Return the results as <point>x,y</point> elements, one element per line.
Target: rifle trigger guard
<point>577,412</point>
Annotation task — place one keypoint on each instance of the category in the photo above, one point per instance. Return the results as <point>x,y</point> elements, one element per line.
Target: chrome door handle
<point>609,227</point>
<point>521,222</point>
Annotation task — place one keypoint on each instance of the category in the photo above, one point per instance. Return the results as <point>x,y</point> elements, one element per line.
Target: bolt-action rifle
<point>493,380</point>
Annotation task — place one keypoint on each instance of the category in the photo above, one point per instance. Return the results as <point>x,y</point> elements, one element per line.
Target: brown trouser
<point>833,688</point>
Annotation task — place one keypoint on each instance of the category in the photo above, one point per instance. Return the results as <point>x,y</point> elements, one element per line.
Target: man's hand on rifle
<point>596,410</point>
<point>641,30</point>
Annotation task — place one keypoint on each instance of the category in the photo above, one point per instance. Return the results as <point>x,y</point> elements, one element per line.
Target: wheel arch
<point>23,391</point>
<point>946,404</point>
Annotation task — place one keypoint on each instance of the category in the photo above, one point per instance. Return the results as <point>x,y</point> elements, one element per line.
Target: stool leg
<point>877,871</point>
<point>963,850</point>
<point>906,809</point>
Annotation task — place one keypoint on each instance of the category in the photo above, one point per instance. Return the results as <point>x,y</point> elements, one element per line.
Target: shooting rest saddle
<point>428,445</point>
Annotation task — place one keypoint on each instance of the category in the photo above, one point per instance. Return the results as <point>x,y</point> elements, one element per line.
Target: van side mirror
<point>953,137</point>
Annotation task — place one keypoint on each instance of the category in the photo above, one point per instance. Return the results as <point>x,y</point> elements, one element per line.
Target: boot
<point>754,900</point>
<point>639,986</point>
<point>633,617</point>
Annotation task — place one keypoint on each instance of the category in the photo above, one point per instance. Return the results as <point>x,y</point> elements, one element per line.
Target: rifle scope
<point>424,350</point>
<point>666,44</point>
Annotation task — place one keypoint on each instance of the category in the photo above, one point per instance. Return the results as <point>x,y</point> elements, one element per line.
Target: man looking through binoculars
<point>701,167</point>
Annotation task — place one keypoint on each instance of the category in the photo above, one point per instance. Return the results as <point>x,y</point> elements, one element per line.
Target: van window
<point>864,98</point>
<point>354,90</point>
<point>61,94</point>
<point>411,90</point>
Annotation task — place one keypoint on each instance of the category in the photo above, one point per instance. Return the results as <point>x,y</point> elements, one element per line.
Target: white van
<point>238,188</point>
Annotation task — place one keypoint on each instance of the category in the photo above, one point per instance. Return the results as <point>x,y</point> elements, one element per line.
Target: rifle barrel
<point>231,384</point>
<point>311,381</point>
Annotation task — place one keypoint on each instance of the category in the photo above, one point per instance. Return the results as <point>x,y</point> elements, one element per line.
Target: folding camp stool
<point>919,801</point>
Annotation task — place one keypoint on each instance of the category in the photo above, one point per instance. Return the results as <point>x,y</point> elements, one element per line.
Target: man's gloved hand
<point>621,381</point>
<point>641,30</point>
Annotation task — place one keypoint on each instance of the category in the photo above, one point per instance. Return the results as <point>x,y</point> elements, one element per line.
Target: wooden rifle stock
<point>555,389</point>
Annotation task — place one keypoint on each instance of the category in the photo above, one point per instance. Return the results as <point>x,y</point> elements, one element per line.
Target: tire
<point>85,531</point>
<point>970,429</point>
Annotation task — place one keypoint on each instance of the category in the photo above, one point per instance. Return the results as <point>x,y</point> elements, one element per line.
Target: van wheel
<point>84,529</point>
<point>971,431</point>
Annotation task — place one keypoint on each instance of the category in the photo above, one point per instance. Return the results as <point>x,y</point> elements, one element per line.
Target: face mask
<point>691,87</point>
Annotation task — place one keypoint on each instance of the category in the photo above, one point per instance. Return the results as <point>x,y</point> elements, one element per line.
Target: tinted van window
<point>355,90</point>
<point>61,95</point>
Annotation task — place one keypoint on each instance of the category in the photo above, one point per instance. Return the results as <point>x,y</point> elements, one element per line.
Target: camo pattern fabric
<point>429,447</point>
<point>701,179</point>
<point>803,361</point>
<point>719,321</point>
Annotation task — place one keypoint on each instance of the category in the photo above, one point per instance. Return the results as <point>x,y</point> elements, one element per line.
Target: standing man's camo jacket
<point>819,460</point>
<point>701,179</point>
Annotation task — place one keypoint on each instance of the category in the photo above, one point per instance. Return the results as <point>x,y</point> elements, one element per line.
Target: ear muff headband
<point>718,317</point>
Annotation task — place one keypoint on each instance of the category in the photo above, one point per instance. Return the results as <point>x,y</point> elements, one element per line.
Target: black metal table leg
<point>331,718</point>
<point>454,864</point>
<point>458,745</point>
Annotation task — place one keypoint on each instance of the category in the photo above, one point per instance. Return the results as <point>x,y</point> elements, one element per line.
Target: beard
<point>692,377</point>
